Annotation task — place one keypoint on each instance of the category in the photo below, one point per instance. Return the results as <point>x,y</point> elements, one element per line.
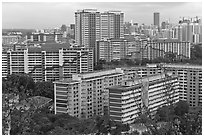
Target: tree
<point>115,62</point>
<point>196,52</point>
<point>170,57</point>
<point>158,60</point>
<point>104,126</point>
<point>59,131</point>
<point>161,114</point>
<point>144,61</point>
<point>20,84</point>
<point>15,88</point>
<point>99,65</point>
<point>181,108</point>
<point>45,89</point>
<point>63,28</point>
<point>191,124</point>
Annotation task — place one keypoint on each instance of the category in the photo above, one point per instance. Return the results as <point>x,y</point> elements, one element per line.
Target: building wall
<point>87,27</point>
<point>43,37</point>
<point>15,62</point>
<point>116,49</point>
<point>10,39</point>
<point>128,100</point>
<point>190,81</point>
<point>113,49</point>
<point>92,26</point>
<point>25,61</point>
<point>94,97</point>
<point>187,32</point>
<point>93,93</point>
<point>158,48</point>
<point>156,19</point>
<point>4,64</point>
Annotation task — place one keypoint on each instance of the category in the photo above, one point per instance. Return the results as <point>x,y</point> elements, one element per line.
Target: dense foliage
<point>25,86</point>
<point>43,122</point>
<point>173,120</point>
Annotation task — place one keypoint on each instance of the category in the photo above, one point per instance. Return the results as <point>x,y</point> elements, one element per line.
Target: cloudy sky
<point>39,15</point>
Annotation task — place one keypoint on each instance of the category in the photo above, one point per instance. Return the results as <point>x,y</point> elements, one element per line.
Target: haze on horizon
<point>42,15</point>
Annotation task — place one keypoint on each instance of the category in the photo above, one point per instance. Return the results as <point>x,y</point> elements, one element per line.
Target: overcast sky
<point>50,15</point>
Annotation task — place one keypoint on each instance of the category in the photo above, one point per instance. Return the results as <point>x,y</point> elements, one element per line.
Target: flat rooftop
<point>177,65</point>
<point>66,81</point>
<point>136,84</point>
<point>100,76</point>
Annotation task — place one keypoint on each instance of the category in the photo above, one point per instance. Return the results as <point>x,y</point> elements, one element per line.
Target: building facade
<point>99,93</point>
<point>49,63</point>
<point>156,19</point>
<point>112,23</point>
<point>190,81</point>
<point>44,37</point>
<point>87,27</point>
<point>152,49</point>
<point>128,100</point>
<point>112,49</point>
<point>10,39</point>
<point>87,95</point>
<point>92,26</point>
<point>4,64</point>
<point>116,49</point>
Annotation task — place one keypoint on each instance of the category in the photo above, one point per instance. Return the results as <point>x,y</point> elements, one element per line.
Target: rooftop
<point>36,101</point>
<point>98,76</point>
<point>49,47</point>
<point>153,79</point>
<point>166,40</point>
<point>178,65</point>
<point>66,81</point>
<point>100,73</point>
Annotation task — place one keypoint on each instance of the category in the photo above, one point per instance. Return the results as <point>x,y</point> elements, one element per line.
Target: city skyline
<point>26,15</point>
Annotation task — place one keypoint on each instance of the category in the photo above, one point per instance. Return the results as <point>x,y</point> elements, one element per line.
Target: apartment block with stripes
<point>86,94</point>
<point>128,100</point>
<point>190,81</point>
<point>48,62</point>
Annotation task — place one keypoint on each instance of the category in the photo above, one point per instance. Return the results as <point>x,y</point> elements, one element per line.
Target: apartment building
<point>4,63</point>
<point>112,24</point>
<point>116,49</point>
<point>90,94</point>
<point>44,37</point>
<point>126,101</point>
<point>190,81</point>
<point>10,39</point>
<point>87,27</point>
<point>86,94</point>
<point>151,49</point>
<point>92,26</point>
<point>112,49</point>
<point>49,62</point>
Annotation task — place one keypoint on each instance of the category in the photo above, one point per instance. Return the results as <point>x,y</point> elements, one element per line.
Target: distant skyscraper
<point>87,27</point>
<point>156,19</point>
<point>91,26</point>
